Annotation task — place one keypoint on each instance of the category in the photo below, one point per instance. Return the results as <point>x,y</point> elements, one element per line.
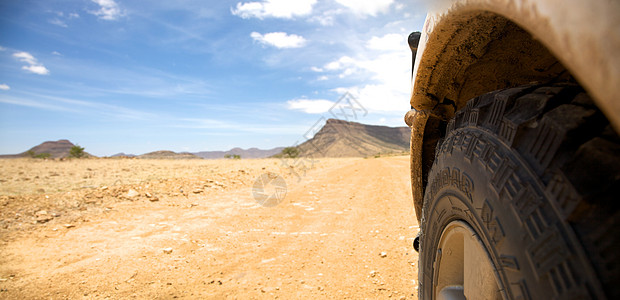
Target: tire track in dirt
<point>323,241</point>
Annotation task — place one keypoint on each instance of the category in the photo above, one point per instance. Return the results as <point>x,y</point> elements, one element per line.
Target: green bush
<point>77,152</point>
<point>32,154</point>
<point>290,152</point>
<point>43,155</point>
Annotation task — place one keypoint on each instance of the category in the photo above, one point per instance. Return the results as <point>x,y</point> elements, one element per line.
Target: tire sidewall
<point>462,186</point>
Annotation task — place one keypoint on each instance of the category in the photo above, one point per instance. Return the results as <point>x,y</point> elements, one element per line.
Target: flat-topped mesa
<point>341,138</point>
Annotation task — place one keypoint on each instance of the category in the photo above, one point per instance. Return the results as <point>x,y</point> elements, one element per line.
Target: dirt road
<point>344,230</point>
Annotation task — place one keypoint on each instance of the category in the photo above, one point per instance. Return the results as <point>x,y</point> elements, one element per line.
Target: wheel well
<point>468,55</point>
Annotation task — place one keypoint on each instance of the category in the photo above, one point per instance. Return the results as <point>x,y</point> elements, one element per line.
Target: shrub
<point>43,155</point>
<point>290,152</point>
<point>77,152</point>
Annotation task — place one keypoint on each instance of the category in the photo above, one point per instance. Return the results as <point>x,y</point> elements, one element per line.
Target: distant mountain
<point>339,138</point>
<point>249,153</point>
<point>122,154</point>
<point>56,149</point>
<point>165,154</point>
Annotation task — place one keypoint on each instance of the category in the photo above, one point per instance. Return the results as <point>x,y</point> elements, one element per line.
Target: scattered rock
<point>43,217</point>
<point>132,193</point>
<point>197,191</point>
<point>69,225</point>
<point>151,197</point>
<point>167,250</point>
<point>373,273</point>
<point>383,254</point>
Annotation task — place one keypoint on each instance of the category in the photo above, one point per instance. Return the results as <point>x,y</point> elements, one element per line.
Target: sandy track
<point>323,241</point>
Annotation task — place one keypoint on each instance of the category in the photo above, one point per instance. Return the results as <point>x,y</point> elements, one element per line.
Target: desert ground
<point>129,228</point>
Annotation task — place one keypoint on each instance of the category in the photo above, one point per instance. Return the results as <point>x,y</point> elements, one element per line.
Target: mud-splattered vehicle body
<point>514,149</point>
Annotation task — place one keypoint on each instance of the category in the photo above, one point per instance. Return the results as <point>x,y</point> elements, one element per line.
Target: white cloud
<point>58,22</point>
<point>385,66</point>
<point>388,42</point>
<point>62,18</point>
<point>322,78</point>
<point>327,17</point>
<point>54,103</point>
<point>279,39</point>
<point>315,69</point>
<point>316,106</point>
<point>25,57</point>
<point>346,65</point>
<point>285,9</point>
<point>4,87</point>
<point>339,64</point>
<point>33,65</point>
<point>108,10</point>
<point>38,69</point>
<point>35,104</point>
<point>367,7</point>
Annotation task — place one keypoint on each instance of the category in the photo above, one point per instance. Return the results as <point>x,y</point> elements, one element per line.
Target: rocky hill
<point>249,153</point>
<point>56,149</point>
<point>340,138</point>
<point>165,154</point>
<point>123,155</point>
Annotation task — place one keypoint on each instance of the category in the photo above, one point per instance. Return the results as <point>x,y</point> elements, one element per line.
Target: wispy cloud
<point>345,64</point>
<point>36,104</point>
<point>204,123</point>
<point>4,87</point>
<point>61,19</point>
<point>108,10</point>
<point>33,65</point>
<point>310,106</point>
<point>279,39</point>
<point>58,22</point>
<point>386,85</point>
<point>388,42</point>
<point>54,103</point>
<point>285,9</point>
<point>367,7</point>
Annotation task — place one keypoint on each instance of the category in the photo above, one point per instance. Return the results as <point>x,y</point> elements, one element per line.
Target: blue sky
<point>139,76</point>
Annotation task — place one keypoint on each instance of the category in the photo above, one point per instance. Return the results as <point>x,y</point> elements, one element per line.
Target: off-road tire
<point>535,172</point>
